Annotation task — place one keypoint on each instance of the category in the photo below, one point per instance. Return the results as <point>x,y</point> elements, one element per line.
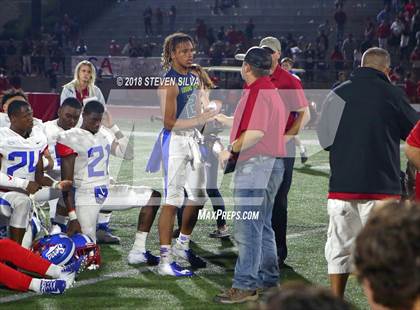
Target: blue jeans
<point>256,184</point>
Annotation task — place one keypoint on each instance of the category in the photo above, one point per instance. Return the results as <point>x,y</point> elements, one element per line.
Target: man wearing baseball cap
<point>290,89</point>
<point>257,146</point>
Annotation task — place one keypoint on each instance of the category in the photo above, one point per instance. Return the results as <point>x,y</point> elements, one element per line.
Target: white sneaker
<point>173,269</point>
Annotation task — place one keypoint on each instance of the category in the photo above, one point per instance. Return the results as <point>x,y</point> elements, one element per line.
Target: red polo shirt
<point>261,108</point>
<point>291,92</point>
<point>413,139</point>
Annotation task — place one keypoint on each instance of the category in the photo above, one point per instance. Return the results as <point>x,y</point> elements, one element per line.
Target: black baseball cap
<point>257,57</point>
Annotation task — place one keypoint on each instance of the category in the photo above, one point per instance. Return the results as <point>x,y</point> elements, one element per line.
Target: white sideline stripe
<point>155,134</point>
<point>306,232</point>
<point>128,273</point>
<point>18,297</point>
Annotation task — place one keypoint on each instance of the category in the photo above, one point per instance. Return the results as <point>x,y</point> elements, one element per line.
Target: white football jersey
<point>5,121</point>
<point>91,168</point>
<point>19,155</point>
<point>51,131</point>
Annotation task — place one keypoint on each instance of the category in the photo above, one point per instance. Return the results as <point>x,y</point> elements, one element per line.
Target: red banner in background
<point>44,105</point>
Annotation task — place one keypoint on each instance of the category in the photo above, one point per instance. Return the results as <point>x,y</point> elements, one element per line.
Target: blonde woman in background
<point>83,85</point>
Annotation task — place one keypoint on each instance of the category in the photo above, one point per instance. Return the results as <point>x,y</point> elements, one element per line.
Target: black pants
<point>279,218</point>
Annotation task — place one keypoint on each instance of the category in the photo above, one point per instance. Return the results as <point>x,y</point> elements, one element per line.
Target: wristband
<point>56,185</point>
<point>72,215</point>
<point>230,150</point>
<point>114,129</point>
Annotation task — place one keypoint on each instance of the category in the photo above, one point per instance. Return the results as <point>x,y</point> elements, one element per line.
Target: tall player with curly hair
<point>180,155</point>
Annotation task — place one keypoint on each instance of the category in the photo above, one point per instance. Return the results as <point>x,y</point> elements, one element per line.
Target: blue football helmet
<point>59,249</point>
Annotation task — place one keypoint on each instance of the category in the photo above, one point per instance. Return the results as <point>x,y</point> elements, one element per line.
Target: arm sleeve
<point>64,150</point>
<point>293,95</point>
<point>329,121</point>
<point>99,95</point>
<point>66,93</point>
<point>10,181</point>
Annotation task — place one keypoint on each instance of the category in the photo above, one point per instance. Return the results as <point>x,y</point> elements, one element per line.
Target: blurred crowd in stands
<point>328,57</point>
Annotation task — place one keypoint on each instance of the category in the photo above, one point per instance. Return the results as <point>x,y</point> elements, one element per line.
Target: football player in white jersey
<point>21,168</point>
<point>68,117</point>
<point>84,156</point>
<point>7,98</point>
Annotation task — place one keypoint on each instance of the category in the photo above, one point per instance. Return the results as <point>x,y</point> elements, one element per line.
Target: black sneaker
<point>194,260</point>
<point>285,266</point>
<point>219,233</point>
<point>303,156</point>
<point>175,233</point>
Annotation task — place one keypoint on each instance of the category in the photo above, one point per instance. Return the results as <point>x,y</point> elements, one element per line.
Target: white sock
<point>302,149</point>
<point>140,241</point>
<point>104,218</point>
<point>165,254</point>
<point>54,271</point>
<point>183,241</point>
<point>35,285</point>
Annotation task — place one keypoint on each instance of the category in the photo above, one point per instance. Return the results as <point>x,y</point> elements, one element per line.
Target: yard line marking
<point>109,276</point>
<point>306,232</point>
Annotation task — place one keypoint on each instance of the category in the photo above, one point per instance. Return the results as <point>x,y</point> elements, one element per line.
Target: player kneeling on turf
<point>85,155</point>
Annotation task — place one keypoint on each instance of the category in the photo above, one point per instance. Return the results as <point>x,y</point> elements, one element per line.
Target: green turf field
<point>117,285</point>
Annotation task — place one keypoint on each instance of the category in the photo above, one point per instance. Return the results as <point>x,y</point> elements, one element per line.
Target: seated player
<point>7,98</point>
<point>387,257</point>
<point>84,156</point>
<point>21,168</point>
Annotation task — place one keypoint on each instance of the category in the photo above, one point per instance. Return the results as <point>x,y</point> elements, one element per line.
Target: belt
<point>186,133</point>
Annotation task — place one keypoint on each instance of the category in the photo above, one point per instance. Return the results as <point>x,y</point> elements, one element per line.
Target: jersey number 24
<point>25,157</point>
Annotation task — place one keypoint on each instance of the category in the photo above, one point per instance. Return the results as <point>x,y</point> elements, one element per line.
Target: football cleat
<point>139,257</point>
<point>194,260</point>
<point>173,269</point>
<point>104,236</point>
<point>52,286</point>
